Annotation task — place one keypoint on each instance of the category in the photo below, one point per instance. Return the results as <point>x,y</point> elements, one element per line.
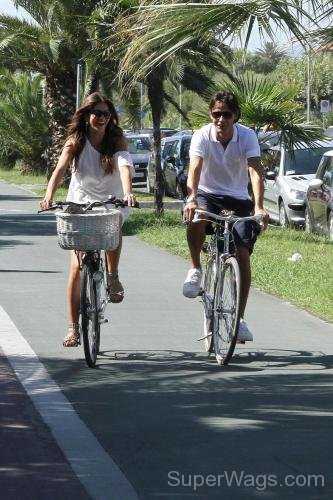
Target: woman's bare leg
<point>113,257</point>
<point>116,289</point>
<point>73,290</point>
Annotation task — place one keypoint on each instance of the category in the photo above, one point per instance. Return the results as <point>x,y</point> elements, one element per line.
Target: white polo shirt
<point>225,171</point>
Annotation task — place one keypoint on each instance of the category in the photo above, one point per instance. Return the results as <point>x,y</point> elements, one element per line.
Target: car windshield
<point>305,161</point>
<point>139,145</point>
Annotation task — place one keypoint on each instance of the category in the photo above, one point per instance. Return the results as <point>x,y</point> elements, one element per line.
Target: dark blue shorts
<point>245,233</point>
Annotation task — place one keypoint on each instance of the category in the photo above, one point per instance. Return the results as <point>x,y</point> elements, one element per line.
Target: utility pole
<point>180,106</point>
<point>78,82</point>
<point>308,90</point>
<point>141,106</point>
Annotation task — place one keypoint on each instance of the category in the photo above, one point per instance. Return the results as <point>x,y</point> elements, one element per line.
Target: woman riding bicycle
<point>96,151</point>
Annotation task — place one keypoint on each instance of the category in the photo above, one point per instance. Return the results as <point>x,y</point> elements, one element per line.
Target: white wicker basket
<point>95,230</point>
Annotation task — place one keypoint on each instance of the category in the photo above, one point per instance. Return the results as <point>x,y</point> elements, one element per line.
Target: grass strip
<point>307,283</point>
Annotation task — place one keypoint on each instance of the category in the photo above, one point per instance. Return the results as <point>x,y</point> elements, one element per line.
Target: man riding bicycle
<point>223,155</point>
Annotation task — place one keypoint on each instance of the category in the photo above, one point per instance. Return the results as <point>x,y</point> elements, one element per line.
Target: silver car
<point>139,146</point>
<point>287,178</point>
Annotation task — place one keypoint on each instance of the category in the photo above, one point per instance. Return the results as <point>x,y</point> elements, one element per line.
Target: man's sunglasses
<point>224,114</point>
<point>98,113</point>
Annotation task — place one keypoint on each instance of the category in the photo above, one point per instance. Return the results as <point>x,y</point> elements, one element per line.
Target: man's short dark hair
<point>229,99</point>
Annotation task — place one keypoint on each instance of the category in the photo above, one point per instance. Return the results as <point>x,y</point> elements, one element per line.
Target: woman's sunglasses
<point>224,114</point>
<point>98,113</point>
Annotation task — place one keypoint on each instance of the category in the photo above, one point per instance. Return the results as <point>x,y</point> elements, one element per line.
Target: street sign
<point>324,106</point>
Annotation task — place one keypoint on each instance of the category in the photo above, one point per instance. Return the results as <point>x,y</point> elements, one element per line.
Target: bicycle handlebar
<point>211,217</point>
<point>112,200</point>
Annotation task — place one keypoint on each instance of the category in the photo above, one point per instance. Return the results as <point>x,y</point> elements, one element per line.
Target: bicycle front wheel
<point>226,311</point>
<point>208,302</point>
<point>89,316</point>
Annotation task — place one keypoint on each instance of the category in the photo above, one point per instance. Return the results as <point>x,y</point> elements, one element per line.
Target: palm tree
<point>23,120</point>
<point>51,46</point>
<point>188,68</point>
<point>268,104</point>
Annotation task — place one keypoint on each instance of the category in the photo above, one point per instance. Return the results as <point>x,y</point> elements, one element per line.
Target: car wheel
<point>330,226</point>
<point>283,219</point>
<point>307,223</point>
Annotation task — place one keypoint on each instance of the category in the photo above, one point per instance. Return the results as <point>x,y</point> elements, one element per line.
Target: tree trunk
<point>60,98</point>
<point>155,97</point>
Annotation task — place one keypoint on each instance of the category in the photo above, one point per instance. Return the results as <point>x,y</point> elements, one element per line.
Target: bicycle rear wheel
<point>208,302</point>
<point>89,316</point>
<point>226,311</point>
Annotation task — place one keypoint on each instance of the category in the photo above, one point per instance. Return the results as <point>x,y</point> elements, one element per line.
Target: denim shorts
<point>245,232</point>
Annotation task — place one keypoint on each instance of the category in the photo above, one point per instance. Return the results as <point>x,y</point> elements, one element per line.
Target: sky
<point>7,7</point>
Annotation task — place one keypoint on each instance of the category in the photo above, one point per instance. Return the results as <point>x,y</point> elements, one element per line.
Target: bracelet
<point>189,199</point>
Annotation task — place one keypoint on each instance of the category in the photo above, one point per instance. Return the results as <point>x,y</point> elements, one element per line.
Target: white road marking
<point>99,474</point>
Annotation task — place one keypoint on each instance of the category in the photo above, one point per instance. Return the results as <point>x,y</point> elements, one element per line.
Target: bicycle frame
<point>94,292</point>
<point>225,222</point>
<point>94,260</point>
<point>222,285</point>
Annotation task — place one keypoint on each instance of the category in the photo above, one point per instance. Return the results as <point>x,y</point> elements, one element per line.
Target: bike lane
<point>158,407</point>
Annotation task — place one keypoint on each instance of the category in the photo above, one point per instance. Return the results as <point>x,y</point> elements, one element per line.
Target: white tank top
<point>90,183</point>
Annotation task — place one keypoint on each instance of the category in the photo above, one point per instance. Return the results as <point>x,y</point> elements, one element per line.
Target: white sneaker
<point>244,334</point>
<point>191,287</point>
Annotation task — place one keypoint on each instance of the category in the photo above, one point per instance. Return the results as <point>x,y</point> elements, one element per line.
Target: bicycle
<point>88,234</point>
<point>221,285</point>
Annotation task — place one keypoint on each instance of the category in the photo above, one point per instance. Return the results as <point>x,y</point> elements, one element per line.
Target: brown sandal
<point>72,338</point>
<point>116,290</point>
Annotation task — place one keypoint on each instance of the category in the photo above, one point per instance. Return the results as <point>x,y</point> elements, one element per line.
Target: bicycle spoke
<point>208,302</point>
<point>89,316</point>
<point>226,313</point>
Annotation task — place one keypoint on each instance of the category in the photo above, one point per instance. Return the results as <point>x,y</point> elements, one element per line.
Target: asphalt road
<point>156,419</point>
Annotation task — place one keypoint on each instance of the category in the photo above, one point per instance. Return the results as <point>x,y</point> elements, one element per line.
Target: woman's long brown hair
<point>78,128</point>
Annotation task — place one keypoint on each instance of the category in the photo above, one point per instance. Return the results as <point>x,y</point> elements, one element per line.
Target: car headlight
<point>297,194</point>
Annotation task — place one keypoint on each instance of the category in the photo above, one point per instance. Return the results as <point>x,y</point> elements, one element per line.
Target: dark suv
<point>175,161</point>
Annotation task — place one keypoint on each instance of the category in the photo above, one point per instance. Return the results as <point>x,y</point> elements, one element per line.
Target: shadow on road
<point>4,244</point>
<point>28,271</point>
<point>15,197</point>
<point>27,225</point>
<point>203,419</point>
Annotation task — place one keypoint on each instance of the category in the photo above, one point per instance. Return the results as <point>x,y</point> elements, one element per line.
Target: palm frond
<point>164,29</point>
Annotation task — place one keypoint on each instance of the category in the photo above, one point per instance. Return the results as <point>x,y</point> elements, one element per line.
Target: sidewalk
<point>32,465</point>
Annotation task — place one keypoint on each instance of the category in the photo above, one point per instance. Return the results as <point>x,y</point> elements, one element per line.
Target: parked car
<point>174,161</point>
<point>140,146</point>
<point>319,199</point>
<point>268,139</point>
<point>287,177</point>
<point>165,131</point>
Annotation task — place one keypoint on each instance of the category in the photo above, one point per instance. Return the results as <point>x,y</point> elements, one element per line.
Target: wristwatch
<point>191,198</point>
